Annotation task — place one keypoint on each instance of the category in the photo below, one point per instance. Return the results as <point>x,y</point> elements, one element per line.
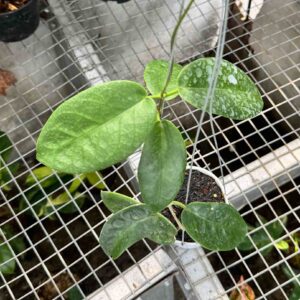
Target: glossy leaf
<point>95,179</point>
<point>132,224</point>
<point>115,201</point>
<point>215,226</point>
<point>97,128</point>
<point>162,165</point>
<point>155,75</point>
<point>236,96</point>
<point>7,266</point>
<point>5,147</point>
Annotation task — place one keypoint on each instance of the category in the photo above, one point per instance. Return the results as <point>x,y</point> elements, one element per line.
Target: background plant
<point>44,191</point>
<point>260,238</point>
<point>106,123</point>
<point>7,257</point>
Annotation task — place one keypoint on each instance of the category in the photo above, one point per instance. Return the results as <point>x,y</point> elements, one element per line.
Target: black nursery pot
<point>19,24</point>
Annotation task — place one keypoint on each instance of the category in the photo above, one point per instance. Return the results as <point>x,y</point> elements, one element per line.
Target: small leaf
<point>44,175</point>
<point>97,128</point>
<point>7,266</point>
<point>155,76</point>
<point>5,147</point>
<point>215,226</point>
<point>71,208</point>
<point>132,224</point>
<point>282,245</point>
<point>115,201</point>
<point>162,165</point>
<point>245,292</point>
<point>295,294</point>
<point>260,237</point>
<point>96,180</point>
<point>16,242</point>
<point>236,96</point>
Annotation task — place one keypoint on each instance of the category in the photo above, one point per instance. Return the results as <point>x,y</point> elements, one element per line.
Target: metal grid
<point>78,45</point>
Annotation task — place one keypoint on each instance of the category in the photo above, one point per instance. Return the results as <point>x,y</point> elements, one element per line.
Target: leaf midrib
<point>92,128</point>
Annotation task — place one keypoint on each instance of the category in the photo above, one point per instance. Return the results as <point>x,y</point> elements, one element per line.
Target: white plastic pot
<point>192,245</point>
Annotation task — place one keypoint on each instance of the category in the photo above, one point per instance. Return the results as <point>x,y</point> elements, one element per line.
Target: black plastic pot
<point>18,25</point>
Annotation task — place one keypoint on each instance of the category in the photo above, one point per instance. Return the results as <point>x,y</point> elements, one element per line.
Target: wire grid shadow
<point>79,44</point>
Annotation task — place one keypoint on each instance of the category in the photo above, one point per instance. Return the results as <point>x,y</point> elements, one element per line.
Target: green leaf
<point>6,267</point>
<point>97,128</point>
<point>5,147</point>
<point>282,245</point>
<point>260,237</point>
<point>215,226</point>
<point>115,201</point>
<point>44,175</point>
<point>236,96</point>
<point>155,76</point>
<point>74,294</point>
<point>132,224</point>
<point>162,165</point>
<point>71,207</point>
<point>16,242</point>
<point>96,180</point>
<point>295,295</point>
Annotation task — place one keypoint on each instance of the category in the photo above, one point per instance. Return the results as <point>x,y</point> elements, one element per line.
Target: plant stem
<point>171,93</point>
<point>171,64</point>
<point>179,204</point>
<point>180,226</point>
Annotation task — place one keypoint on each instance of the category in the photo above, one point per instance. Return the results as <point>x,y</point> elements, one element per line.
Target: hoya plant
<point>106,123</point>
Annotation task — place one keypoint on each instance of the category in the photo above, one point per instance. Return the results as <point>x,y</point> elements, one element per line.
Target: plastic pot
<point>19,24</point>
<point>192,245</point>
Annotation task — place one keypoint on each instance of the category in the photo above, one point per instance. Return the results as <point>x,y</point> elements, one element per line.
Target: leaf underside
<point>162,165</point>
<point>236,96</point>
<point>132,224</point>
<point>97,128</point>
<point>215,226</point>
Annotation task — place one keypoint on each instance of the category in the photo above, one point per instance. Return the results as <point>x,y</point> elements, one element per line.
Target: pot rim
<point>18,10</point>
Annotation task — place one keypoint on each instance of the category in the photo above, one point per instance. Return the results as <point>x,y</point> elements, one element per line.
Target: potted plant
<point>18,19</point>
<point>204,187</point>
<point>106,123</point>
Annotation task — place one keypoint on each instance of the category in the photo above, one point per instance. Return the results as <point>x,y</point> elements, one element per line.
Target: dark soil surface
<point>11,5</point>
<point>203,188</point>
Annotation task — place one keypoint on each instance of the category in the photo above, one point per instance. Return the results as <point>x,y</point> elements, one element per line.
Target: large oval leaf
<point>215,226</point>
<point>97,128</point>
<point>162,165</point>
<point>115,201</point>
<point>132,224</point>
<point>155,76</point>
<point>236,96</point>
